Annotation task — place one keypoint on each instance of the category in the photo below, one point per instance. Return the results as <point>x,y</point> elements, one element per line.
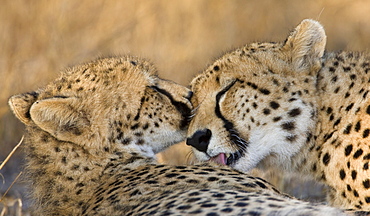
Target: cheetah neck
<point>63,175</point>
<point>339,77</point>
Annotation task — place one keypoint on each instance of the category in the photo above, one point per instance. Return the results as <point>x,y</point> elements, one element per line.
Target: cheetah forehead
<point>252,60</point>
<point>102,74</point>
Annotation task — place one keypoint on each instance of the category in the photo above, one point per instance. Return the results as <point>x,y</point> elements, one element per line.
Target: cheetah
<point>289,106</point>
<point>92,135</point>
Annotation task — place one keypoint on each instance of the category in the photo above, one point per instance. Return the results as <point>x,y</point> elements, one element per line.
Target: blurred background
<point>40,38</point>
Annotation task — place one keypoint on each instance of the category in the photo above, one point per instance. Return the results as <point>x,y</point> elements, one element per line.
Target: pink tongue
<point>220,158</point>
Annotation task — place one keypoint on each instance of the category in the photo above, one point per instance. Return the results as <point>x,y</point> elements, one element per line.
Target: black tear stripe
<point>228,125</point>
<point>183,109</point>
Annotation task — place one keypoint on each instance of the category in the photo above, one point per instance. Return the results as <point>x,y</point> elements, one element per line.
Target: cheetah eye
<point>162,91</point>
<point>224,90</point>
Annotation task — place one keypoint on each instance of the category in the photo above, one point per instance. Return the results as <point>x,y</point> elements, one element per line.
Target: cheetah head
<point>109,105</point>
<point>255,104</point>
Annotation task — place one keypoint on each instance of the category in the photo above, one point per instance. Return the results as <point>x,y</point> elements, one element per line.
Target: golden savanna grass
<point>40,38</point>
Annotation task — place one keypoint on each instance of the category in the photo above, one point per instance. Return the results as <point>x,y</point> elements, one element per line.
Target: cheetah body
<point>92,136</point>
<point>290,106</point>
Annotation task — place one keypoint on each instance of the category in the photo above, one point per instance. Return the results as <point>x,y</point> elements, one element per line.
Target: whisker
<point>190,158</point>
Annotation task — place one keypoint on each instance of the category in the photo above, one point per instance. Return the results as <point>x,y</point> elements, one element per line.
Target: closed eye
<point>218,98</point>
<point>180,106</point>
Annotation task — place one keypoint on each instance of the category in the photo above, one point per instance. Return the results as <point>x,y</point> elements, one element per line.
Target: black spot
<point>351,85</point>
<point>367,199</point>
<point>368,110</point>
<point>265,91</point>
<point>64,160</point>
<point>208,205</point>
<point>314,167</point>
<point>126,141</point>
<point>216,68</point>
<point>140,141</point>
<point>291,138</point>
<point>349,188</point>
<point>254,86</point>
<point>366,157</point>
<point>337,121</point>
<point>171,183</point>
<point>294,112</point>
<point>348,150</point>
<point>366,183</point>
<point>171,175</point>
<point>138,134</point>
<point>266,111</point>
<point>192,181</point>
<point>328,136</point>
<point>184,207</point>
<point>274,105</point>
<point>347,95</point>
<point>365,94</point>
<point>349,107</point>
<point>254,105</point>
<point>212,179</point>
<point>79,192</point>
<point>135,126</point>
<point>240,204</point>
<point>342,174</point>
<point>151,182</point>
<point>277,119</point>
<point>261,184</point>
<point>133,63</point>
<point>346,69</point>
<point>145,126</point>
<point>366,133</point>
<point>326,159</point>
<point>355,193</point>
<point>329,110</point>
<point>348,129</point>
<point>358,153</point>
<point>227,210</point>
<point>288,126</point>
<point>354,174</point>
<point>276,82</point>
<point>358,126</point>
<point>366,166</point>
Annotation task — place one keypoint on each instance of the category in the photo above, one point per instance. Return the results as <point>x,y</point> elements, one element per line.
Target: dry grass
<point>38,38</point>
<point>10,205</point>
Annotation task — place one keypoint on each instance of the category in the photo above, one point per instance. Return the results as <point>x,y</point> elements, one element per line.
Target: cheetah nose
<point>200,140</point>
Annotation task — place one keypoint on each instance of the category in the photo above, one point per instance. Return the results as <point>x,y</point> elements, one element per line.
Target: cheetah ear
<point>306,45</point>
<point>20,105</point>
<point>61,117</point>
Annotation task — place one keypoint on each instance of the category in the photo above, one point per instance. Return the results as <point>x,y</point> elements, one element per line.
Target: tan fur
<point>92,135</point>
<point>289,106</point>
<point>90,115</point>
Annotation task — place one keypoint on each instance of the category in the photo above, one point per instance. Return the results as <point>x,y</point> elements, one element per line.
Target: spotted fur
<point>289,106</point>
<point>91,139</point>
